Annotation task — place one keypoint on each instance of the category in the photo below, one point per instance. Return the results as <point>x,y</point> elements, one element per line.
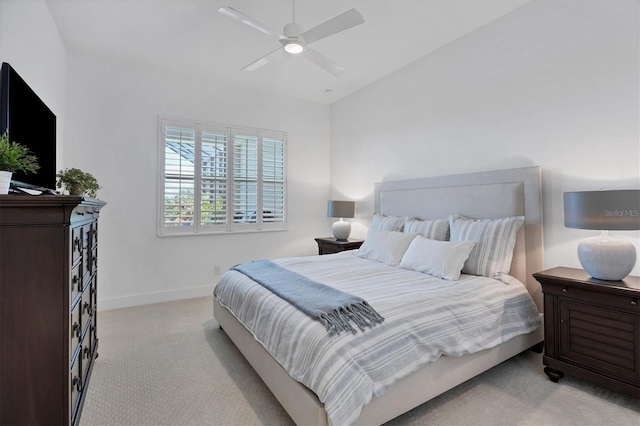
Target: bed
<point>484,195</point>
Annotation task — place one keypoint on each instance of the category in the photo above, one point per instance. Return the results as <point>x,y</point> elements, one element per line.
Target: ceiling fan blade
<point>323,62</point>
<point>241,17</point>
<point>341,22</point>
<point>260,62</point>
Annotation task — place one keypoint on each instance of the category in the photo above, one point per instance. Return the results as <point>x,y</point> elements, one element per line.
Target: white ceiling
<point>192,38</point>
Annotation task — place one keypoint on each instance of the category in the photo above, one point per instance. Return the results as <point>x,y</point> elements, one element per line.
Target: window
<point>217,178</point>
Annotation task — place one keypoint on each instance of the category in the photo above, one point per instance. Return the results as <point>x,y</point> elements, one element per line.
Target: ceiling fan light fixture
<point>294,47</point>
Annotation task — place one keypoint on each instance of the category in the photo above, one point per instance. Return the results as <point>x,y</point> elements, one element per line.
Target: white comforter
<point>425,317</point>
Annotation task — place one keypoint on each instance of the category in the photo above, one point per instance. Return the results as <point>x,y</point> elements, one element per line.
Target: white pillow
<point>442,259</point>
<point>437,229</point>
<point>387,223</point>
<point>495,240</point>
<point>385,246</point>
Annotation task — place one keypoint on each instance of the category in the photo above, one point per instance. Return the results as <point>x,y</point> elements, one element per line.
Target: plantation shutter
<point>179,157</point>
<point>213,178</point>
<point>273,179</point>
<point>245,180</point>
<point>220,179</point>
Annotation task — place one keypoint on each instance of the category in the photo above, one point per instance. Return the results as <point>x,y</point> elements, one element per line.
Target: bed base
<point>430,381</point>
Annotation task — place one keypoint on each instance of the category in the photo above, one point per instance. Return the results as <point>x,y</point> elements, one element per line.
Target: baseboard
<point>149,298</point>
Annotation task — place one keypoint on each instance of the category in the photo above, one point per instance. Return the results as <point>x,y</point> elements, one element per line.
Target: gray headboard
<point>483,195</point>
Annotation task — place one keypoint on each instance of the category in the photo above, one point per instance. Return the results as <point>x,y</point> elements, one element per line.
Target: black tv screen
<point>31,123</point>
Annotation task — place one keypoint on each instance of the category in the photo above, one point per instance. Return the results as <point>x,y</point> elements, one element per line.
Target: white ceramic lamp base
<point>606,257</point>
<point>341,230</point>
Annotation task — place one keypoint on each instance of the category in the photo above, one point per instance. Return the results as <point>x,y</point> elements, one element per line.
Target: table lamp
<point>604,257</point>
<point>341,229</point>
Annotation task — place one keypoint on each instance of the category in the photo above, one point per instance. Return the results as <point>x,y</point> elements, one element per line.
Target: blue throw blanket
<point>334,308</point>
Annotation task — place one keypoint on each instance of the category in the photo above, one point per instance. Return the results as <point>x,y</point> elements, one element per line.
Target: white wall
<point>111,132</point>
<point>554,84</point>
<point>31,44</point>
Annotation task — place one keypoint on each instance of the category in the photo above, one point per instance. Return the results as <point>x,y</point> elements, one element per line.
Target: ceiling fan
<point>295,42</point>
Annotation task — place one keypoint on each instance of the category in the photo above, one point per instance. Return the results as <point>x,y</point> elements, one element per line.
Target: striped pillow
<point>387,223</point>
<point>495,240</point>
<point>433,229</point>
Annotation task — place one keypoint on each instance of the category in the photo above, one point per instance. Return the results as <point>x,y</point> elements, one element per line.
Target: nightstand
<point>331,245</point>
<point>592,328</point>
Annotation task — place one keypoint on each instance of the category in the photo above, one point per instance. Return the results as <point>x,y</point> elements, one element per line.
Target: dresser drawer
<point>75,379</point>
<point>86,358</point>
<point>94,234</point>
<point>75,283</point>
<point>93,261</point>
<point>87,307</point>
<point>76,328</point>
<point>86,251</point>
<point>76,244</point>
<point>616,301</point>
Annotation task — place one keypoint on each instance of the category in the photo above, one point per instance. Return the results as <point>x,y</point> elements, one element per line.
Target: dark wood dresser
<point>48,328</point>
<point>592,328</point>
<point>331,245</point>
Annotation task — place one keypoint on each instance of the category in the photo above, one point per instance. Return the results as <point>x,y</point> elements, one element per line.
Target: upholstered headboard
<point>483,195</point>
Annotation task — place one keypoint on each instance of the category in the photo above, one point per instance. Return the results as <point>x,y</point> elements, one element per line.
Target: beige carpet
<point>170,364</point>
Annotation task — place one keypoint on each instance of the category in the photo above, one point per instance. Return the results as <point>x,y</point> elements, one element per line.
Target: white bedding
<point>425,317</point>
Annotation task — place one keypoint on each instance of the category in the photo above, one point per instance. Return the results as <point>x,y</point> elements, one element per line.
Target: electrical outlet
<point>216,270</point>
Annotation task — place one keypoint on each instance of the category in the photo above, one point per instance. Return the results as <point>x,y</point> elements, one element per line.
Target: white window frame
<point>232,225</point>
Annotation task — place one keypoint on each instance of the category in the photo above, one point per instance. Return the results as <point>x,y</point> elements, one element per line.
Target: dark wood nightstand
<point>331,245</point>
<point>592,328</point>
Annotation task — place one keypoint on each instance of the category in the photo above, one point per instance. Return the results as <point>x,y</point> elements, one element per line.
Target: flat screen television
<point>31,123</point>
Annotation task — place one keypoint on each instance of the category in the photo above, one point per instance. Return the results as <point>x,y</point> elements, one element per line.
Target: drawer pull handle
<point>564,290</point>
<point>633,302</point>
<point>76,383</point>
<point>76,329</point>
<point>87,352</point>
<point>87,308</point>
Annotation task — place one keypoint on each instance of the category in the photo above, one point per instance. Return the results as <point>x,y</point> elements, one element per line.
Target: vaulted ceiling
<point>192,38</point>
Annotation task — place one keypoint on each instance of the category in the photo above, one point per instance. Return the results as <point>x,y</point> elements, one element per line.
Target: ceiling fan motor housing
<point>292,30</point>
<point>293,43</point>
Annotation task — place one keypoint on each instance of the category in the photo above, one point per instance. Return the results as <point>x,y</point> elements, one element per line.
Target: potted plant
<point>77,182</point>
<point>14,158</point>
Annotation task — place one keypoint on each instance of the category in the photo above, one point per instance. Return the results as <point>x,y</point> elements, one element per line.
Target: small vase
<point>5,180</point>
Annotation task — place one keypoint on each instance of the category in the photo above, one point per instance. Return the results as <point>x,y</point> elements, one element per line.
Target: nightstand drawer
<point>329,249</point>
<point>620,302</point>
